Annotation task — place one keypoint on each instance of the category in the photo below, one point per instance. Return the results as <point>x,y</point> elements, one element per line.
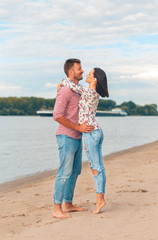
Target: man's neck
<point>74,80</point>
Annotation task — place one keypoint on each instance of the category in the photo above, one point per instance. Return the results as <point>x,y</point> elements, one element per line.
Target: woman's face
<point>90,76</point>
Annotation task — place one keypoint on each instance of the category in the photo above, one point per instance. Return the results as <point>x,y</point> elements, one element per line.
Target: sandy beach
<point>131,212</point>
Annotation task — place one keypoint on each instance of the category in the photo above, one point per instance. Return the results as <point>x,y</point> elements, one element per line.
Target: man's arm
<point>80,128</point>
<point>59,110</point>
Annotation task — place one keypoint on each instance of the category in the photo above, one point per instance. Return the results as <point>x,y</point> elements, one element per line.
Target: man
<point>68,136</point>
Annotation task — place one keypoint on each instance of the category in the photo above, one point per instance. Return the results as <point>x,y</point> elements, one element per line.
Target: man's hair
<point>102,85</point>
<point>69,64</point>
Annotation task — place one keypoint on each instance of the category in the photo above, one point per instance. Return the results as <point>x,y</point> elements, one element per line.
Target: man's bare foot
<point>58,212</point>
<point>69,207</point>
<point>61,214</point>
<point>99,206</point>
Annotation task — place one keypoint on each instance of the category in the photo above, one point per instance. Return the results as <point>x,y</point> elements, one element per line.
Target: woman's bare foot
<point>99,206</point>
<point>69,207</point>
<point>58,212</point>
<point>100,202</point>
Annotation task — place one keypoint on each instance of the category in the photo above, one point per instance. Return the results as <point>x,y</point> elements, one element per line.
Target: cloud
<point>150,77</point>
<point>50,85</point>
<point>14,88</point>
<point>136,95</point>
<point>51,22</point>
<point>43,94</point>
<point>145,75</point>
<point>9,90</point>
<point>37,36</point>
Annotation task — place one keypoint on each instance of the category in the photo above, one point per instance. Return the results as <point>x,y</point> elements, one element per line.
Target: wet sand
<point>130,213</point>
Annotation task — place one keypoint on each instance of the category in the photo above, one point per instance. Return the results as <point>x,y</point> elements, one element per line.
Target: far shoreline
<point>24,181</point>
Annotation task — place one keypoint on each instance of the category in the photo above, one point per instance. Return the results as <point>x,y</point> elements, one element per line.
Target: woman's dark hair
<point>69,64</point>
<point>102,85</point>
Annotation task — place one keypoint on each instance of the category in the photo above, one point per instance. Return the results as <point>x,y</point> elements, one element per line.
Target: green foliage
<point>29,106</point>
<point>106,105</point>
<point>147,110</point>
<point>130,107</point>
<point>24,106</point>
<point>133,110</point>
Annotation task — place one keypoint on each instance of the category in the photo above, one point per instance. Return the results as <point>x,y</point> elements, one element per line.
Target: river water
<point>28,144</point>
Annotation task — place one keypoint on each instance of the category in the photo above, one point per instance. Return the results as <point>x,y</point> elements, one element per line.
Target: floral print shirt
<point>87,104</point>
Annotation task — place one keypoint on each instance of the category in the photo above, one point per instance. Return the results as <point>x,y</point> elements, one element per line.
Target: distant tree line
<point>133,110</point>
<point>26,106</point>
<point>130,107</point>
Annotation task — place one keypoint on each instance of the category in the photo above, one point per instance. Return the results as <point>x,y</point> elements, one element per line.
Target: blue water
<point>28,144</point>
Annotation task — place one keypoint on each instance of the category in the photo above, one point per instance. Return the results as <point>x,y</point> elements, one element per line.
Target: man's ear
<point>70,72</point>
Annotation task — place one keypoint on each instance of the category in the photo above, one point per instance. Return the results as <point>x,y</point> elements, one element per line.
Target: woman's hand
<point>59,86</point>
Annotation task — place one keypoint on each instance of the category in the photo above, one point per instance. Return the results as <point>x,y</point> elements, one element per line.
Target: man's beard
<point>78,78</point>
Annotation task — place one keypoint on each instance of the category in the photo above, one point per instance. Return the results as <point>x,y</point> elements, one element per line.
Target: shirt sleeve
<point>76,88</point>
<point>61,102</point>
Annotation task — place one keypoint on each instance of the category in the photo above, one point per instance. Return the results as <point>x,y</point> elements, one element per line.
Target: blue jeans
<point>70,154</point>
<point>93,146</point>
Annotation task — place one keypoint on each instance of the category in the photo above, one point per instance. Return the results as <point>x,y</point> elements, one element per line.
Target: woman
<point>93,141</point>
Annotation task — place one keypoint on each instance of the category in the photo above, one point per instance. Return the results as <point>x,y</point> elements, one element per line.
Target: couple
<point>75,110</point>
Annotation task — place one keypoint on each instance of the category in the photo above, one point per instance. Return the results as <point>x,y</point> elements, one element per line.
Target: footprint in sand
<point>38,221</point>
<point>89,188</point>
<point>136,180</point>
<point>139,190</point>
<point>18,191</point>
<point>37,194</point>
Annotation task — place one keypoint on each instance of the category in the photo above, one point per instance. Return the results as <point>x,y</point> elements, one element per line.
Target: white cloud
<point>42,94</point>
<point>136,95</point>
<point>9,90</point>
<point>14,88</point>
<point>50,85</point>
<point>146,75</point>
<point>37,36</point>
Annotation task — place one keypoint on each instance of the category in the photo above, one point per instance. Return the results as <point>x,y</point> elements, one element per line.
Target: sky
<point>121,37</point>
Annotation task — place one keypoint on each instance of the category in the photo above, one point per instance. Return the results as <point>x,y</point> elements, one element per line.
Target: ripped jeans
<point>93,146</point>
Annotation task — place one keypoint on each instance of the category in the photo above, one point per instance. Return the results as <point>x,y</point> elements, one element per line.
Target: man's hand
<point>80,128</point>
<point>85,128</point>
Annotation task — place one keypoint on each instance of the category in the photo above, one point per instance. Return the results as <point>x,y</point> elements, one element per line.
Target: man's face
<point>77,71</point>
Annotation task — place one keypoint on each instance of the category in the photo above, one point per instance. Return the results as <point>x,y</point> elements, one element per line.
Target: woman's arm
<point>68,83</point>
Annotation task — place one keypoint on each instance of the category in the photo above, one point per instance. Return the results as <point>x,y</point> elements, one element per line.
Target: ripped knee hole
<point>95,172</point>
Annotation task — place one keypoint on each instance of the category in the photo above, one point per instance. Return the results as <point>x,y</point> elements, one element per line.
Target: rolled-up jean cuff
<point>67,201</point>
<point>57,202</point>
<point>103,192</point>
